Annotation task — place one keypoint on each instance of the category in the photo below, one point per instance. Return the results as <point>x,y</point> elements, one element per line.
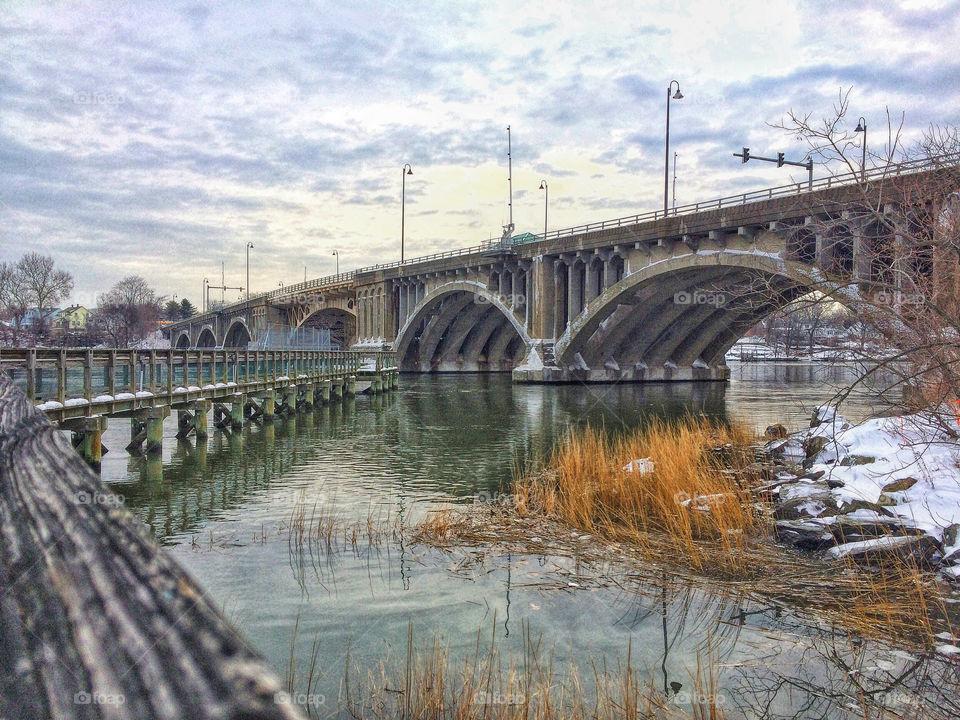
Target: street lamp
<point>249,245</point>
<point>666,157</point>
<point>337,254</point>
<point>546,202</point>
<point>203,298</point>
<point>404,171</point>
<point>862,127</point>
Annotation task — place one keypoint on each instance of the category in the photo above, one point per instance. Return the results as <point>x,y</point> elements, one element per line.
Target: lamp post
<point>249,245</point>
<point>404,171</point>
<point>546,203</point>
<point>862,127</point>
<point>337,255</point>
<point>203,298</point>
<point>666,157</point>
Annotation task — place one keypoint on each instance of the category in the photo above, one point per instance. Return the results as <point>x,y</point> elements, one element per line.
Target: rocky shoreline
<point>885,489</point>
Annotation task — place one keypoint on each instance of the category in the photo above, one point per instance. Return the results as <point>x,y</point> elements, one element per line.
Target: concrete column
<point>593,279</point>
<point>561,285</point>
<point>325,392</point>
<point>236,410</point>
<point>574,291</point>
<point>336,389</point>
<point>403,304</point>
<point>201,408</point>
<point>269,404</point>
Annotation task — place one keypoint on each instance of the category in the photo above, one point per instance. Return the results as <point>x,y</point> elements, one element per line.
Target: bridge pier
<point>87,438</point>
<point>146,427</point>
<point>325,392</point>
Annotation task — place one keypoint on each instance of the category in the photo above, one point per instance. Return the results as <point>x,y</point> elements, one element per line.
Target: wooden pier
<point>97,621</point>
<point>79,389</point>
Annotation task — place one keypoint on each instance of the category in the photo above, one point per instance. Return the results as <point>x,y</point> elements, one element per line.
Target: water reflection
<point>228,510</point>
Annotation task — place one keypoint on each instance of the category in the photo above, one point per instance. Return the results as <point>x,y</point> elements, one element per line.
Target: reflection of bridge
<point>648,297</point>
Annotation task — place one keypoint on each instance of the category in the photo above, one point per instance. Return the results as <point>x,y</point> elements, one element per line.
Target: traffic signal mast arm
<point>780,161</point>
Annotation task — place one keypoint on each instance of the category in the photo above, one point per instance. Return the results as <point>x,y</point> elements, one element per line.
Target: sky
<point>158,139</point>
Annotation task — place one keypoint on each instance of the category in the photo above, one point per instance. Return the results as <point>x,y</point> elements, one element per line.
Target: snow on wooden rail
<point>95,620</point>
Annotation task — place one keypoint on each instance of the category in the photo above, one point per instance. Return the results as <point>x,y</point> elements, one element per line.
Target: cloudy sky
<point>159,138</point>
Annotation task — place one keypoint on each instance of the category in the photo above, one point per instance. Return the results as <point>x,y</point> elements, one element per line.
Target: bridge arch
<point>183,340</point>
<point>683,312</point>
<point>341,323</point>
<point>238,335</point>
<point>206,338</point>
<point>461,326</point>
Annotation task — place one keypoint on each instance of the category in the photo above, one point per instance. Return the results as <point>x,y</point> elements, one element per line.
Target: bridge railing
<point>80,378</point>
<point>851,178</point>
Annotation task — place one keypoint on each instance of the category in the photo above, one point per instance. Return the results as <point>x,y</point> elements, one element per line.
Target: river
<point>224,511</point>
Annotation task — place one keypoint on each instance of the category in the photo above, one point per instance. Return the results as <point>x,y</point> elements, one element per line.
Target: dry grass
<point>694,497</point>
<point>427,684</point>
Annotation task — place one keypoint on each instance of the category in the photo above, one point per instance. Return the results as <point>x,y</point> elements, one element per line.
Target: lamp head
<point>678,95</point>
<point>409,170</point>
<point>861,126</point>
<point>543,184</point>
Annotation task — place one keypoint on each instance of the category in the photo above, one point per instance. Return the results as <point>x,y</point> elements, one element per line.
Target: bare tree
<point>128,313</point>
<point>46,284</point>
<point>893,247</point>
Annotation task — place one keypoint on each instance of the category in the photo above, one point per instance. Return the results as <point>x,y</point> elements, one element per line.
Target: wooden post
<point>88,374</point>
<point>112,373</point>
<point>154,428</point>
<point>170,371</point>
<point>32,376</point>
<point>62,375</point>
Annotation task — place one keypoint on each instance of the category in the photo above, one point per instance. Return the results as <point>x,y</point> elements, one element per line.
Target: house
<point>74,317</point>
<point>34,318</point>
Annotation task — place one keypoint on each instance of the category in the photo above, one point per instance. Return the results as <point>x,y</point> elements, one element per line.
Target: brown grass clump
<point>694,496</point>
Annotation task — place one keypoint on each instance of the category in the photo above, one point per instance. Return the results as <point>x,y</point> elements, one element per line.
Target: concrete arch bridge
<point>651,297</point>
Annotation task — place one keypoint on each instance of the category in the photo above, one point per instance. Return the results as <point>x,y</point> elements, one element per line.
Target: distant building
<point>35,318</point>
<point>74,317</point>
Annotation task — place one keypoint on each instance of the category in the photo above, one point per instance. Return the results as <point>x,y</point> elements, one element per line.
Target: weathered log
<point>96,621</point>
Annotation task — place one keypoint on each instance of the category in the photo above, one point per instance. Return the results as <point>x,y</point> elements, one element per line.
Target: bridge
<point>651,297</point>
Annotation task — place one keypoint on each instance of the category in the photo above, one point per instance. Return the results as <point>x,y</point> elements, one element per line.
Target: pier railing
<point>69,383</point>
<point>97,620</point>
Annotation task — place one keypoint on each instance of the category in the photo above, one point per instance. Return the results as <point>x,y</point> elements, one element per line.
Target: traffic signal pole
<point>780,161</point>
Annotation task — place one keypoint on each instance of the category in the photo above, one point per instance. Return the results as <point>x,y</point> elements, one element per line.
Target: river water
<point>224,511</point>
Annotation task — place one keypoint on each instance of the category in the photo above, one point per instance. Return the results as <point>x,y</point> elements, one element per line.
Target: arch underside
<point>460,331</point>
<point>238,336</point>
<point>675,325</point>
<point>206,339</point>
<point>183,340</point>
<point>342,325</point>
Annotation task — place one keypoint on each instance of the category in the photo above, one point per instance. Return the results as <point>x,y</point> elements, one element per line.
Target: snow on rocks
<point>885,486</point>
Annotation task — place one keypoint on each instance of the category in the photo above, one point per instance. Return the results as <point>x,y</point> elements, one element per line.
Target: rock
<point>851,460</point>
<point>822,414</point>
<point>806,507</point>
<point>868,524</point>
<point>899,485</point>
<point>855,505</point>
<point>815,475</point>
<point>886,500</point>
<point>805,500</point>
<point>833,482</point>
<point>776,432</point>
<point>804,534</point>
<point>814,445</point>
<point>918,548</point>
<point>759,471</point>
<point>950,535</point>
